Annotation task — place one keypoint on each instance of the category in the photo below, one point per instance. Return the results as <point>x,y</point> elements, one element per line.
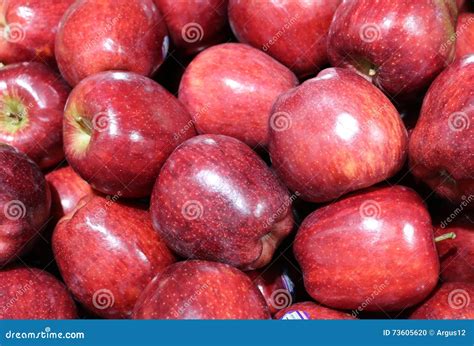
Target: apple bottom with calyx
<point>201,290</point>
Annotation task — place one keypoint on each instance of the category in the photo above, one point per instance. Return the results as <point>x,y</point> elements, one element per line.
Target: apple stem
<point>450,235</point>
<point>85,125</point>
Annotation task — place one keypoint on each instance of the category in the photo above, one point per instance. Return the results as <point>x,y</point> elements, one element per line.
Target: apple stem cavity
<point>14,113</point>
<point>85,125</point>
<point>450,235</point>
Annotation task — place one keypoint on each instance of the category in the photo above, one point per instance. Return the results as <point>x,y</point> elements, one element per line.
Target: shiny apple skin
<point>300,26</point>
<point>67,189</point>
<point>25,202</point>
<point>406,42</point>
<point>33,26</point>
<point>107,252</point>
<point>457,255</point>
<point>201,290</point>
<point>314,312</point>
<point>194,25</point>
<point>452,301</point>
<point>465,35</point>
<point>43,95</point>
<point>134,120</point>
<point>122,35</point>
<point>441,149</point>
<point>334,134</point>
<point>229,89</point>
<point>215,199</point>
<point>377,240</point>
<point>29,293</point>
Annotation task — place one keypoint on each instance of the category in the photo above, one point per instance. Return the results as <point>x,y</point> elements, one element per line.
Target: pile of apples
<point>236,159</point>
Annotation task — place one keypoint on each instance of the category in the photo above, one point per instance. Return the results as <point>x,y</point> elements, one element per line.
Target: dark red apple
<point>24,203</point>
<point>67,189</point>
<point>401,46</point>
<point>334,134</point>
<point>457,255</point>
<point>373,250</point>
<point>101,35</point>
<point>465,35</point>
<point>452,301</point>
<point>441,149</point>
<point>27,293</point>
<point>194,25</point>
<point>28,29</point>
<point>292,31</point>
<point>229,89</point>
<point>32,99</point>
<point>107,252</point>
<point>215,199</point>
<point>311,311</point>
<point>201,290</point>
<point>119,129</point>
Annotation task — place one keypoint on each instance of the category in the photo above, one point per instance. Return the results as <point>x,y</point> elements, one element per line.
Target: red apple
<point>452,301</point>
<point>292,31</point>
<point>400,45</point>
<point>32,98</point>
<point>201,290</point>
<point>442,144</point>
<point>195,24</point>
<point>107,252</point>
<point>28,293</point>
<point>465,35</point>
<point>119,129</point>
<point>67,189</point>
<point>373,250</point>
<point>229,89</point>
<point>24,203</point>
<point>101,35</point>
<point>28,29</point>
<point>457,255</point>
<point>311,311</point>
<point>334,134</point>
<point>215,199</point>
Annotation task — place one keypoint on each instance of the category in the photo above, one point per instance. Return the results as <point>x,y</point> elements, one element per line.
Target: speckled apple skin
<point>379,240</point>
<point>314,312</point>
<point>408,42</point>
<point>107,252</point>
<point>229,89</point>
<point>457,255</point>
<point>43,94</point>
<point>301,28</point>
<point>25,202</point>
<point>452,301</point>
<point>101,35</point>
<point>334,134</point>
<point>465,35</point>
<point>215,199</point>
<point>195,25</point>
<point>29,293</point>
<point>136,121</point>
<point>67,189</point>
<point>34,24</point>
<point>201,290</point>
<point>441,149</point>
